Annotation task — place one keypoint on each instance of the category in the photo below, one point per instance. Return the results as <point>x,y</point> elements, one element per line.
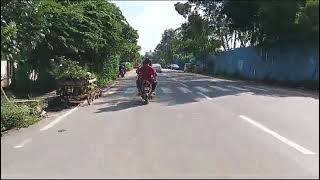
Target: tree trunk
<point>227,41</point>
<point>4,94</point>
<point>223,44</point>
<point>241,40</point>
<point>235,39</point>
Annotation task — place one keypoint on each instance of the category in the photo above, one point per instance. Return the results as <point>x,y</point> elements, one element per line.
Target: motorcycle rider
<point>122,69</point>
<point>146,72</point>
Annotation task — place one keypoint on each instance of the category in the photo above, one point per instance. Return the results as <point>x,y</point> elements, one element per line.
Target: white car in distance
<point>157,67</point>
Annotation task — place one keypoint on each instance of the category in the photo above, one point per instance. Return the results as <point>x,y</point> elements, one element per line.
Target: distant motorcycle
<point>122,73</point>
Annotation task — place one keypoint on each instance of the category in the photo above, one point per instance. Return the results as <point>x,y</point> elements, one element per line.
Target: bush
<point>130,66</point>
<point>19,116</point>
<point>237,75</point>
<point>310,84</point>
<point>109,72</point>
<point>69,69</point>
<point>35,106</point>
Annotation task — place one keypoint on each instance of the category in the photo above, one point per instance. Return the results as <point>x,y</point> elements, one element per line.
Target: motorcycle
<point>146,91</point>
<point>122,72</point>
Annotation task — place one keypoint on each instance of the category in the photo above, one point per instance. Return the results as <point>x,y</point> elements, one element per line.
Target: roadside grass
<point>18,115</point>
<point>305,84</point>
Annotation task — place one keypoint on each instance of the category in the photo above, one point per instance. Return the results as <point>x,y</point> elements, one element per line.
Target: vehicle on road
<point>157,67</point>
<point>174,67</point>
<point>122,70</point>
<point>187,66</point>
<point>146,91</point>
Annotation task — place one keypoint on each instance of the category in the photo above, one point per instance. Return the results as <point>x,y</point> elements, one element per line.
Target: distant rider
<point>122,69</point>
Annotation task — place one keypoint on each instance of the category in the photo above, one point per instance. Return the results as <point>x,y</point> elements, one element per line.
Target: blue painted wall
<point>292,63</point>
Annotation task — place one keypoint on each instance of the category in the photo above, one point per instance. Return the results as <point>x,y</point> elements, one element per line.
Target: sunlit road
<point>196,127</point>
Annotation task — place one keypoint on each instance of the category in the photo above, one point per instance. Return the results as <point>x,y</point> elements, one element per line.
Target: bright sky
<point>150,18</point>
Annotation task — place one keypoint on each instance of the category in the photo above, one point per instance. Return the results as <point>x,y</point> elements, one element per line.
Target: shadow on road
<point>118,105</point>
<point>192,82</point>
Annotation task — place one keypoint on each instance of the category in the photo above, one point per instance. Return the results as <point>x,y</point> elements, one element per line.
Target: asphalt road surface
<point>196,127</point>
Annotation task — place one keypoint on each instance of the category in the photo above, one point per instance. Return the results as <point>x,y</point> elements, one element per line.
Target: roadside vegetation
<point>221,25</point>
<point>92,36</point>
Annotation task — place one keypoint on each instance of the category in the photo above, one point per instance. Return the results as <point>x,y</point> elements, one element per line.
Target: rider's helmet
<point>147,61</point>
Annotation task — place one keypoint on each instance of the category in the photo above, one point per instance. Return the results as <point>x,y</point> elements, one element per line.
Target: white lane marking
<point>51,124</point>
<point>202,89</point>
<point>166,90</point>
<point>201,80</point>
<point>109,92</point>
<point>205,96</point>
<point>279,137</point>
<point>184,90</point>
<point>255,88</point>
<point>238,88</point>
<point>219,88</point>
<point>130,90</point>
<point>23,143</point>
<point>184,85</point>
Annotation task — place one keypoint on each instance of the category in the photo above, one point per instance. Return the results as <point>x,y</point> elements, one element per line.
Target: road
<point>196,127</point>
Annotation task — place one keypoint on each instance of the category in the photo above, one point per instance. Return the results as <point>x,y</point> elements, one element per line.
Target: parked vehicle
<point>186,67</point>
<point>157,67</point>
<point>174,66</point>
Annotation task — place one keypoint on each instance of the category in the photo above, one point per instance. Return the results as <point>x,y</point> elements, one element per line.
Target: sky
<point>150,18</point>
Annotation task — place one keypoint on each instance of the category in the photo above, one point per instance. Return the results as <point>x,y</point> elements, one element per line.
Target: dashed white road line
<point>278,136</point>
<point>202,89</point>
<point>184,90</point>
<point>166,90</point>
<point>255,88</point>
<point>205,96</point>
<point>22,143</point>
<point>184,85</point>
<point>109,92</point>
<point>238,88</point>
<point>219,88</point>
<point>130,90</point>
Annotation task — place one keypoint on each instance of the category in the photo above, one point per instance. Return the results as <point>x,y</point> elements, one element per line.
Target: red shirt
<point>146,73</point>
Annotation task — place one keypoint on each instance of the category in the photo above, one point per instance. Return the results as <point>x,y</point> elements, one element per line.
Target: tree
<point>93,32</point>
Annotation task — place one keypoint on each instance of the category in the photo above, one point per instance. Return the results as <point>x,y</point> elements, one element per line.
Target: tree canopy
<point>91,32</point>
<point>227,24</point>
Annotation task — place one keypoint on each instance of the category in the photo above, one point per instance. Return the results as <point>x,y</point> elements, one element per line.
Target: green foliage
<point>225,74</point>
<point>109,71</point>
<point>8,40</point>
<point>22,77</point>
<point>23,27</point>
<point>255,22</point>
<point>88,32</point>
<point>19,116</point>
<point>307,22</point>
<point>129,66</point>
<point>68,69</point>
<point>310,84</point>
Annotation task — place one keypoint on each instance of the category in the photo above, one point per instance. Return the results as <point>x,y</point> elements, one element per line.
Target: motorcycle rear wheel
<point>146,99</point>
